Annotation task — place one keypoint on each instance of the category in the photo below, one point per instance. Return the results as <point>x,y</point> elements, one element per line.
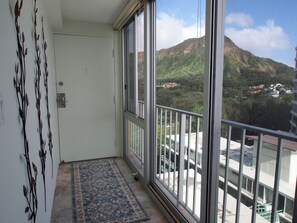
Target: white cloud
<point>171,31</point>
<point>239,19</point>
<point>261,40</point>
<point>140,34</point>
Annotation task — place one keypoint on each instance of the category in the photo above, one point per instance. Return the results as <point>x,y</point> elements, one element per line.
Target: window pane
<point>135,65</point>
<point>258,90</point>
<point>261,192</point>
<point>259,62</point>
<point>289,207</point>
<point>249,186</point>
<point>180,30</point>
<point>140,64</point>
<point>130,68</point>
<point>180,54</point>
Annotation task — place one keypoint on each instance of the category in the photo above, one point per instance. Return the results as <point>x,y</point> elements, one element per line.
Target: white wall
<point>103,30</point>
<point>86,29</point>
<point>268,162</point>
<point>291,166</point>
<point>12,166</point>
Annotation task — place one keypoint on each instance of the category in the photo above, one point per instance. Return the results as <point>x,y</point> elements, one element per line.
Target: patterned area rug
<point>101,194</point>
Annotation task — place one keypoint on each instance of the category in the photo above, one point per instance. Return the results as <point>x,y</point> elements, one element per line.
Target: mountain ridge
<point>187,58</point>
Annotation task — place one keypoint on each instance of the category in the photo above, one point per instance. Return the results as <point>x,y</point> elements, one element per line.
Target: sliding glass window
<point>180,73</point>
<point>131,83</point>
<point>134,65</point>
<point>134,91</point>
<point>258,106</point>
<point>225,106</point>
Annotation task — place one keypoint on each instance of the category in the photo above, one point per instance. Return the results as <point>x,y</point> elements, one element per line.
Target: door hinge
<point>113,53</point>
<point>114,100</point>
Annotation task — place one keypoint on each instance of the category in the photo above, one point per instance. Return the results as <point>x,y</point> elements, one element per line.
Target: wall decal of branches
<point>19,82</point>
<point>46,74</point>
<point>42,151</point>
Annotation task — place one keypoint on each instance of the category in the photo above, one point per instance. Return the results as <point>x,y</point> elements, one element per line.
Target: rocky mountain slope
<point>240,66</point>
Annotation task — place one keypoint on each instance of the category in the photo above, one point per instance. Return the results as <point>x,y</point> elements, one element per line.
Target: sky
<point>266,28</point>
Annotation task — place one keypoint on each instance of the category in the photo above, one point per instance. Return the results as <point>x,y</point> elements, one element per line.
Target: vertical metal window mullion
<point>149,90</point>
<point>214,56</point>
<point>125,90</point>
<point>136,107</point>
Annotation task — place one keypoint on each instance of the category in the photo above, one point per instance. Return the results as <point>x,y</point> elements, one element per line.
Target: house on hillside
<point>169,85</point>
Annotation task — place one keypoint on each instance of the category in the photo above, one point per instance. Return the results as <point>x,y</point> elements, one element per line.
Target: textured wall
<point>12,166</point>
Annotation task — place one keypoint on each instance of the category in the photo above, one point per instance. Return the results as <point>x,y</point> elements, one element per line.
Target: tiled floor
<point>62,207</point>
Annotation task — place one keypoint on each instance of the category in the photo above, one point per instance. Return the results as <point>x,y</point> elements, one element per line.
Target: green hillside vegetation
<point>184,64</point>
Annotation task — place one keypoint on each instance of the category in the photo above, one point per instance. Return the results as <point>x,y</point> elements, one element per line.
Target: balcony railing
<point>257,166</point>
<point>135,140</point>
<point>257,172</point>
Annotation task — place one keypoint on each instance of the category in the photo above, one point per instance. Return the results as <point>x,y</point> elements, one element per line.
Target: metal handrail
<point>180,189</point>
<point>281,134</point>
<point>178,119</point>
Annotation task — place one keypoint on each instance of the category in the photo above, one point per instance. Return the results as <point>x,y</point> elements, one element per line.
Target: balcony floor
<point>62,206</point>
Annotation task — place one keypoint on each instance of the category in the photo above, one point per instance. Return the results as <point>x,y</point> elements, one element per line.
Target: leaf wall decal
<point>19,83</point>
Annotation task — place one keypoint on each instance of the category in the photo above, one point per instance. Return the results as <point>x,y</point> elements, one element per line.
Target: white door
<point>85,73</point>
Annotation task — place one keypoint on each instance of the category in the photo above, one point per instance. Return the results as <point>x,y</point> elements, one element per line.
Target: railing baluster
<point>132,137</point>
<point>257,175</point>
<point>126,135</point>
<point>240,175</point>
<point>182,130</point>
<point>142,146</point>
<point>135,132</point>
<point>169,160</point>
<point>276,179</point>
<point>165,145</point>
<point>139,142</point>
<point>226,174</point>
<point>137,139</point>
<point>188,158</point>
<point>175,150</point>
<point>160,152</point>
<point>196,160</point>
<point>156,141</point>
<point>129,137</point>
<point>142,110</point>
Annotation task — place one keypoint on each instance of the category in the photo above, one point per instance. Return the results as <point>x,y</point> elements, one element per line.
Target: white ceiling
<point>101,11</point>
